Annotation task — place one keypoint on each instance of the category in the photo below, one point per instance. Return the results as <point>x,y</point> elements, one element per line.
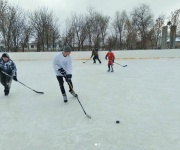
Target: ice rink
<point>144,97</point>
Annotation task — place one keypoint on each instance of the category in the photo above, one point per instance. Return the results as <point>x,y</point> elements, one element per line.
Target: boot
<point>6,91</point>
<point>65,98</point>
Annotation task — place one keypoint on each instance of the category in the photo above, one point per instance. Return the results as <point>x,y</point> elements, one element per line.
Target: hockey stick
<point>120,64</point>
<point>79,101</point>
<point>23,83</point>
<point>31,88</point>
<point>86,60</point>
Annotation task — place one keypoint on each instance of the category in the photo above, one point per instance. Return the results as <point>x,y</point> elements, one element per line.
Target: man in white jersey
<point>62,64</point>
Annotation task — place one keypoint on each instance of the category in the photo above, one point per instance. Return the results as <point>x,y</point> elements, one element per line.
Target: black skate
<point>6,91</point>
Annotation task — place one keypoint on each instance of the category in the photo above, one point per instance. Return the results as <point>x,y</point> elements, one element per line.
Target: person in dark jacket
<point>95,55</point>
<point>7,72</point>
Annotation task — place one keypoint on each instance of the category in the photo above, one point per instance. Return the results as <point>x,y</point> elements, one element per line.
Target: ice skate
<point>6,91</point>
<point>65,98</point>
<point>73,93</point>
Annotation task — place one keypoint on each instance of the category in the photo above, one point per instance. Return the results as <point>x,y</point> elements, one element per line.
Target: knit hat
<point>5,55</point>
<point>67,49</point>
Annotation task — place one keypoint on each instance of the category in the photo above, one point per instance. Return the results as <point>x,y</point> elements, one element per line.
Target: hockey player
<point>95,55</point>
<point>110,56</point>
<point>62,64</point>
<point>7,72</point>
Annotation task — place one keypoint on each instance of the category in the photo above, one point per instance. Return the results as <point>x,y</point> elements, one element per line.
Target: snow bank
<point>125,54</point>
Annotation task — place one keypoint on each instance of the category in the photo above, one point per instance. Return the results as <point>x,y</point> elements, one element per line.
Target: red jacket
<point>110,56</point>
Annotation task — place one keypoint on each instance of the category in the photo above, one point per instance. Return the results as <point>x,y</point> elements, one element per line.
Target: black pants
<point>96,57</point>
<point>61,84</point>
<point>5,80</point>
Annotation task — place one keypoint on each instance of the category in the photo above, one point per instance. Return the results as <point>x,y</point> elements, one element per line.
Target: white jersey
<point>60,61</point>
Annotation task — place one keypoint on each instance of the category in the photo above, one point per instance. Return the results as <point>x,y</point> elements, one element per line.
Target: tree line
<point>134,30</point>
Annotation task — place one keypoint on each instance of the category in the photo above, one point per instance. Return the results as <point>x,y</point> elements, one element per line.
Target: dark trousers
<point>61,84</point>
<point>5,80</point>
<point>110,66</point>
<point>96,57</point>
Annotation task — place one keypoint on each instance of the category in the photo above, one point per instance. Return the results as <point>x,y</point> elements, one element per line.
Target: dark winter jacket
<point>8,67</point>
<point>94,53</point>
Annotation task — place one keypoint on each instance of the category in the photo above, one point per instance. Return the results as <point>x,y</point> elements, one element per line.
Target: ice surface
<point>144,97</point>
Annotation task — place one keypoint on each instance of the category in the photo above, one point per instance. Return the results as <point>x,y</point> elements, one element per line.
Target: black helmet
<point>5,55</point>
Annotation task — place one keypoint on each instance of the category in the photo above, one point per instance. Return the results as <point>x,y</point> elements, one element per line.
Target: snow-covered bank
<point>128,54</point>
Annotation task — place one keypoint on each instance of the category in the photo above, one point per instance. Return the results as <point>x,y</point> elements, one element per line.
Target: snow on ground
<point>144,97</point>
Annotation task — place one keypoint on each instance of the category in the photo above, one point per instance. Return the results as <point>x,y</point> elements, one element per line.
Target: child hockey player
<point>110,56</point>
<point>7,72</point>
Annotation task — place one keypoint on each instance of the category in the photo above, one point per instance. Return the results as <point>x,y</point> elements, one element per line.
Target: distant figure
<point>96,56</point>
<point>62,64</point>
<point>110,56</point>
<point>7,72</point>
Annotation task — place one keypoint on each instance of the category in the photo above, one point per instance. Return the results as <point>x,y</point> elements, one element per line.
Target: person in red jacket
<point>110,56</point>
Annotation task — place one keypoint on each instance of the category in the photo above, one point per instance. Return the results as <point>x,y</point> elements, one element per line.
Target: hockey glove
<point>15,78</point>
<point>62,71</point>
<point>68,77</point>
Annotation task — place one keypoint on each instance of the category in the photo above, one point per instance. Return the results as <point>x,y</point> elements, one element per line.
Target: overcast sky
<point>64,8</point>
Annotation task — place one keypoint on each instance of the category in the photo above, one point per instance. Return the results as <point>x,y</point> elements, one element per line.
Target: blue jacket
<point>9,67</point>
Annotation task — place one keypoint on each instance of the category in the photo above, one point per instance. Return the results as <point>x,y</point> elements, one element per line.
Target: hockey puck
<point>117,121</point>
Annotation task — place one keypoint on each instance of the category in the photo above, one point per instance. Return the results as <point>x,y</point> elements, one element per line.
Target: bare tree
<point>118,24</point>
<point>55,35</point>
<point>78,26</point>
<point>44,24</point>
<point>8,14</point>
<point>13,26</point>
<point>158,29</point>
<point>3,11</point>
<point>26,35</point>
<point>103,28</point>
<point>97,25</point>
<point>142,19</point>
<point>96,29</point>
<point>174,19</point>
<point>131,35</point>
<point>111,41</point>
<point>69,35</point>
<point>89,24</point>
<point>19,25</point>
